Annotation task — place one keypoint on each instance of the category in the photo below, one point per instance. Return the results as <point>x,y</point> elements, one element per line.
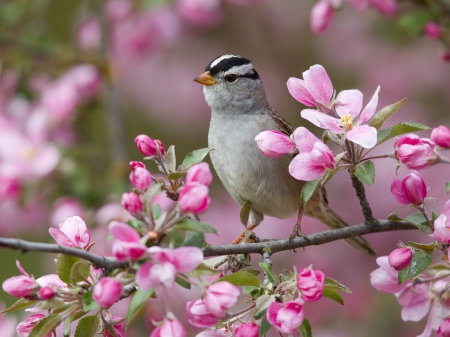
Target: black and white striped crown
<point>230,63</point>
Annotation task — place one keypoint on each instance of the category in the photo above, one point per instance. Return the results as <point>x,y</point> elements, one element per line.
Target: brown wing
<point>283,126</point>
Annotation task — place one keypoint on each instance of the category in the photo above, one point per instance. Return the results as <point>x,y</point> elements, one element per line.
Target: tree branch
<point>361,194</point>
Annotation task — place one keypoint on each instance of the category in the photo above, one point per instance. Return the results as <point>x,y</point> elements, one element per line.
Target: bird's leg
<point>297,230</point>
<point>242,236</point>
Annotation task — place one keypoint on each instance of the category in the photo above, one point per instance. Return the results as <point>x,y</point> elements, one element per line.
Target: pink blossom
<point>432,30</point>
<point>409,191</point>
<point>321,16</point>
<point>71,233</point>
<point>127,243</point>
<point>274,144</point>
<point>89,34</point>
<point>64,208</point>
<point>220,297</point>
<point>110,212</point>
<point>286,317</point>
<point>141,178</point>
<point>9,188</point>
<point>348,107</point>
<point>46,293</point>
<point>107,291</point>
<point>444,328</point>
<point>118,10</point>
<point>194,198</point>
<point>51,280</point>
<point>60,99</point>
<point>413,151</point>
<point>311,284</point>
<point>442,225</point>
<point>244,3</point>
<point>118,325</point>
<point>132,203</point>
<point>135,164</point>
<point>441,136</point>
<point>199,173</point>
<point>85,78</point>
<point>150,274</point>
<point>247,330</point>
<point>400,258</point>
<point>19,286</point>
<point>170,328</point>
<point>7,324</point>
<point>385,278</point>
<point>213,333</point>
<point>388,8</point>
<point>200,13</point>
<point>199,315</point>
<point>146,145</point>
<point>314,157</point>
<point>24,328</point>
<point>315,90</point>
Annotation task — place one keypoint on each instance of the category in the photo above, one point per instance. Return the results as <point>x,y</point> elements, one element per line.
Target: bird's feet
<point>297,232</point>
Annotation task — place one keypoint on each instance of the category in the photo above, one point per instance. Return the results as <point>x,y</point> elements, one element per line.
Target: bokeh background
<point>80,79</point>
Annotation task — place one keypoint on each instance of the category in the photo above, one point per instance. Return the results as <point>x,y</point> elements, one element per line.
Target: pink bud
<point>127,244</point>
<point>64,208</point>
<point>141,178</point>
<point>444,328</point>
<point>119,327</point>
<point>413,151</point>
<point>134,164</point>
<point>411,190</point>
<point>170,328</point>
<point>132,203</point>
<point>199,315</point>
<point>400,258</point>
<point>441,136</point>
<point>286,317</point>
<point>19,286</point>
<point>194,198</point>
<point>388,8</point>
<point>160,145</point>
<point>107,291</point>
<point>146,145</point>
<point>89,34</point>
<point>46,293</point>
<point>220,297</point>
<point>247,330</point>
<point>9,188</point>
<point>199,173</point>
<point>24,328</point>
<point>274,144</point>
<point>311,284</point>
<point>321,16</point>
<point>200,13</point>
<point>71,233</point>
<point>432,30</point>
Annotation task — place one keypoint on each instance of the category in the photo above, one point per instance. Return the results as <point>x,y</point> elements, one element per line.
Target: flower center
<point>347,122</point>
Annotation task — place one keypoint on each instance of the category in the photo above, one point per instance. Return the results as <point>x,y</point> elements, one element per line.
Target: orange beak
<point>205,79</point>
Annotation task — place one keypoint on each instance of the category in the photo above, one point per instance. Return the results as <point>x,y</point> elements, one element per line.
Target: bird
<point>239,111</point>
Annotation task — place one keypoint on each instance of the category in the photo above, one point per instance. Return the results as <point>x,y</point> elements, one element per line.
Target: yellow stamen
<point>347,122</point>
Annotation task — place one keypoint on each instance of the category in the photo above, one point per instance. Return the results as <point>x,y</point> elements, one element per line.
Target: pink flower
<point>247,330</point>
<point>274,144</point>
<point>9,188</point>
<point>46,293</point>
<point>170,328</point>
<point>199,173</point>
<point>24,328</point>
<point>441,136</point>
<point>141,178</point>
<point>213,333</point>
<point>118,10</point>
<point>432,30</point>
<point>314,158</point>
<point>321,16</point>
<point>60,99</point>
<point>132,203</point>
<point>311,284</point>
<point>444,328</point>
<point>19,286</point>
<point>400,258</point>
<point>135,164</point>
<point>220,297</point>
<point>85,78</point>
<point>199,315</point>
<point>409,191</point>
<point>200,13</point>
<point>127,243</point>
<point>385,278</point>
<point>89,34</point>
<point>413,151</point>
<point>388,8</point>
<point>107,291</point>
<point>147,146</point>
<point>348,107</point>
<point>118,325</point>
<point>7,324</point>
<point>194,198</point>
<point>315,90</point>
<point>442,225</point>
<point>286,317</point>
<point>71,233</point>
<point>64,208</point>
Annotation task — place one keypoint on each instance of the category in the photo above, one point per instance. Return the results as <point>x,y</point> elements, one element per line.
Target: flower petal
<point>186,259</point>
<point>370,108</point>
<point>123,232</point>
<point>318,84</point>
<point>349,102</point>
<point>298,90</point>
<point>303,167</point>
<point>322,120</point>
<point>304,139</point>
<point>363,135</point>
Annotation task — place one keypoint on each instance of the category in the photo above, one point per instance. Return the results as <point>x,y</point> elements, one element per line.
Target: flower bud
<point>444,328</point>
<point>46,293</point>
<point>274,144</point>
<point>409,191</point>
<point>160,145</point>
<point>118,325</point>
<point>107,291</point>
<point>170,328</point>
<point>134,164</point>
<point>132,203</point>
<point>19,286</point>
<point>247,330</point>
<point>432,30</point>
<point>199,173</point>
<point>414,151</point>
<point>286,317</point>
<point>441,136</point>
<point>127,243</point>
<point>194,198</point>
<point>400,258</point>
<point>146,145</point>
<point>141,178</point>
<point>321,16</point>
<point>311,284</point>
<point>220,297</point>
<point>199,315</point>
<point>24,328</point>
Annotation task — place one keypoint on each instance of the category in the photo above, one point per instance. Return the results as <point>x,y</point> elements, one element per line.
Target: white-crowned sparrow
<point>240,111</point>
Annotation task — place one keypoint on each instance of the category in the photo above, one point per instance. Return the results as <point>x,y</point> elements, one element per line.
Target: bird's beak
<point>205,79</point>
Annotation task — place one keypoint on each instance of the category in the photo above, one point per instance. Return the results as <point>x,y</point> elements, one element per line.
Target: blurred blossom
<point>321,16</point>
<point>200,13</point>
<point>400,258</point>
<point>199,173</point>
<point>441,136</point>
<point>199,315</point>
<point>9,188</point>
<point>38,81</point>
<point>274,144</point>
<point>442,225</point>
<point>107,291</point>
<point>213,333</point>
<point>244,2</point>
<point>247,330</point>
<point>119,328</point>
<point>170,328</point>
<point>118,10</point>
<point>141,178</point>
<point>194,198</point>
<point>51,280</point>
<point>286,317</point>
<point>7,324</point>
<point>64,208</point>
<point>45,293</point>
<point>413,151</point>
<point>444,328</point>
<point>411,190</point>
<point>109,212</point>
<point>135,164</point>
<point>131,202</point>
<point>71,233</point>
<point>388,8</point>
<point>19,286</point>
<point>60,99</point>
<point>24,328</point>
<point>8,84</point>
<point>127,243</point>
<point>311,284</point>
<point>85,78</point>
<point>221,296</point>
<point>89,34</point>
<point>432,30</point>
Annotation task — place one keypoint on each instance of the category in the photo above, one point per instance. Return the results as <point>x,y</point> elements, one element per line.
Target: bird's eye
<point>231,78</point>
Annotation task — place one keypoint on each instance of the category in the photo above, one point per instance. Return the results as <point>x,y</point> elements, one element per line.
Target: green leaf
<point>215,261</point>
<point>20,304</point>
<point>385,113</point>
<point>80,271</point>
<point>182,282</point>
<point>394,217</point>
<point>252,271</point>
<point>191,225</point>
<point>305,328</point>
<point>202,270</point>
<point>413,22</point>
<point>245,213</point>
<point>45,325</point>
<point>194,239</point>
<point>254,292</point>
<point>268,270</point>
<point>399,129</point>
<point>171,159</point>
<point>427,248</point>
<point>87,326</point>
<point>137,302</point>
<point>136,224</point>
<point>418,220</point>
<point>434,216</point>
<point>309,189</point>
<point>447,186</point>
<point>419,263</point>
<point>66,327</point>
<point>176,175</point>
<point>156,211</point>
<point>335,285</point>
<point>88,302</point>
<point>265,327</point>
<point>366,173</point>
<point>261,305</point>
<point>333,295</point>
<point>241,278</point>
<point>64,265</point>
<point>194,157</point>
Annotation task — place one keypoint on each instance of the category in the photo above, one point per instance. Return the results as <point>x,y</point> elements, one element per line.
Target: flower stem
<point>361,194</point>
<point>422,210</point>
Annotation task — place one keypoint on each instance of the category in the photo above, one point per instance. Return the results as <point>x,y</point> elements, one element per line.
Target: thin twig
<point>361,194</point>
